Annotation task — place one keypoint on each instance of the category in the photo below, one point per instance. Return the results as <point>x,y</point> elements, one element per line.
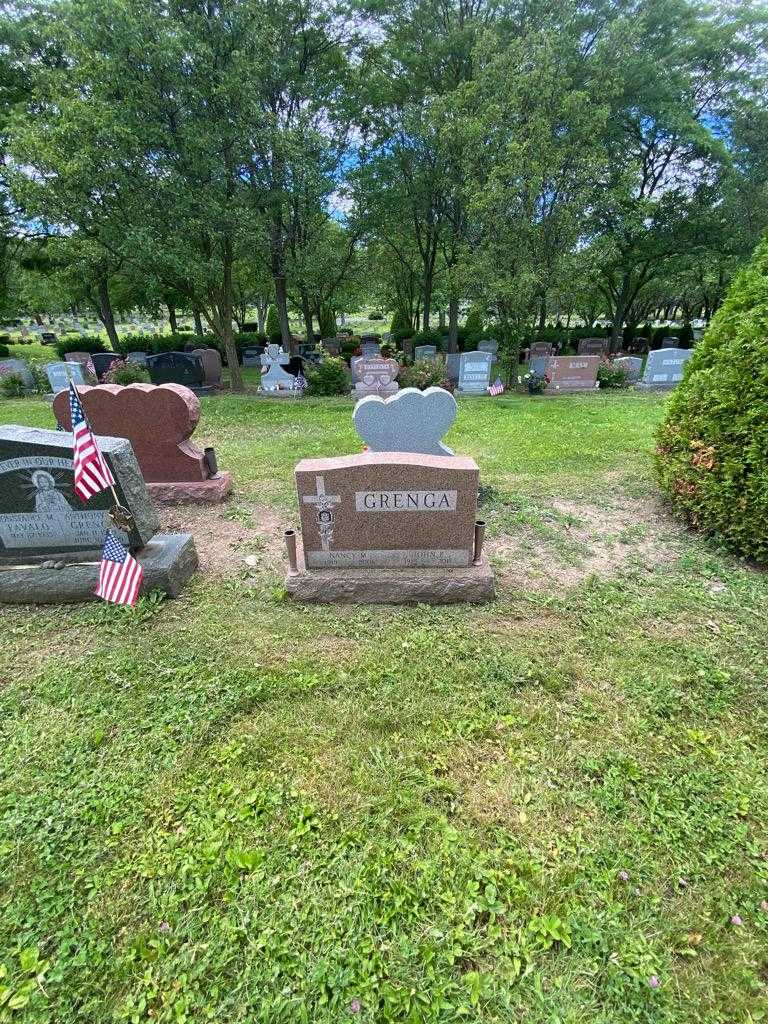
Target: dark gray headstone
<point>452,364</point>
<point>176,368</point>
<point>102,361</point>
<point>41,517</point>
<point>632,366</point>
<point>593,346</point>
<point>252,356</point>
<point>475,372</point>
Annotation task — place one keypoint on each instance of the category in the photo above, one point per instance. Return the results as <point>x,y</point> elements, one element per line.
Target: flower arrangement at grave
<point>536,383</point>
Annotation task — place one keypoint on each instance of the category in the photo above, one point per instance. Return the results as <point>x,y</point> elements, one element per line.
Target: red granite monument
<point>158,420</point>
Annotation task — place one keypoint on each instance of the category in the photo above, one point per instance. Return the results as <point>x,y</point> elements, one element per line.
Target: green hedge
<point>330,378</point>
<point>712,448</point>
<point>86,343</point>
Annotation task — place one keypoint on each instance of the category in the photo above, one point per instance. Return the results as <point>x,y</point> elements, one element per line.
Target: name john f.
<point>405,501</point>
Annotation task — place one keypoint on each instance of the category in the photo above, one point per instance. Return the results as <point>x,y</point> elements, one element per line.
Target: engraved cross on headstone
<point>323,511</point>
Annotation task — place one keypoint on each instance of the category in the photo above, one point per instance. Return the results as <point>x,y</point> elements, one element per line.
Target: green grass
<point>228,808</point>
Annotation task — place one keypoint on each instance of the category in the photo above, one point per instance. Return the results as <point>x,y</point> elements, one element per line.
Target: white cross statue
<point>323,511</point>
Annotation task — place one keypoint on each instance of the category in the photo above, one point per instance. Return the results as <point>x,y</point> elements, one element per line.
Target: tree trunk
<point>618,313</point>
<point>38,319</point>
<point>198,322</point>
<point>261,314</point>
<point>106,315</point>
<point>172,319</point>
<point>306,310</point>
<point>427,301</point>
<point>441,318</point>
<point>453,324</point>
<point>542,311</point>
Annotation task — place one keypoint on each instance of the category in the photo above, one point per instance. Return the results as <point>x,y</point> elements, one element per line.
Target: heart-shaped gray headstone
<point>410,421</point>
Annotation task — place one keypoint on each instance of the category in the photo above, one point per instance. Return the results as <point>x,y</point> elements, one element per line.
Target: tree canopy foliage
<point>540,159</point>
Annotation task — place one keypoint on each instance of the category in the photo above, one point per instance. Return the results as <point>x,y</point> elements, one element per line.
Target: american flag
<point>120,575</point>
<point>91,471</point>
<point>497,388</point>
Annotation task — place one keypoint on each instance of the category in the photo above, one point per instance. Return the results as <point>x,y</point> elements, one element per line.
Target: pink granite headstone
<point>158,420</point>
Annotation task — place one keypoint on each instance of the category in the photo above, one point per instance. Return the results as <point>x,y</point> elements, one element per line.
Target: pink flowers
<point>623,876</point>
<point>653,981</point>
<point>355,1006</point>
<point>736,921</point>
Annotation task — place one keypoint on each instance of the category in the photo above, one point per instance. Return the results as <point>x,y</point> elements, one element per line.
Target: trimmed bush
<point>331,378</point>
<point>712,448</point>
<point>4,351</point>
<point>474,324</point>
<point>11,386</point>
<point>401,326</point>
<point>126,373</point>
<point>610,376</point>
<point>272,326</point>
<point>87,343</point>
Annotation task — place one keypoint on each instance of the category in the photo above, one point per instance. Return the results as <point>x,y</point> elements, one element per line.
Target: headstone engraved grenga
<point>664,368</point>
<point>50,541</point>
<point>475,373</point>
<point>159,422</point>
<point>571,374</point>
<point>390,526</point>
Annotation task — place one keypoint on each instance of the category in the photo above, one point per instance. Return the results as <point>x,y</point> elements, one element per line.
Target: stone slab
<point>40,516</point>
<point>475,372</point>
<point>387,509</point>
<point>168,561</point>
<point>664,368</point>
<point>197,492</point>
<point>410,421</point>
<point>471,584</point>
<point>571,374</point>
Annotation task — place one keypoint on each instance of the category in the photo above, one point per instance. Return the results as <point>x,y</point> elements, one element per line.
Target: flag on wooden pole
<point>120,575</point>
<point>92,474</point>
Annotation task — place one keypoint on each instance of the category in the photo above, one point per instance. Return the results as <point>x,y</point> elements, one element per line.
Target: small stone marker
<point>425,352</point>
<point>77,357</point>
<point>18,368</point>
<point>50,542</point>
<point>158,421</point>
<point>375,376</point>
<point>671,341</point>
<point>572,374</point>
<point>664,368</point>
<point>632,366</point>
<point>490,345</point>
<point>452,365</point>
<point>475,373</point>
<point>410,421</point>
<point>370,345</point>
<point>408,350</point>
<point>539,349</point>
<point>593,346</point>
<point>211,361</point>
<point>332,346</point>
<point>276,381</point>
<point>139,358</point>
<point>60,374</point>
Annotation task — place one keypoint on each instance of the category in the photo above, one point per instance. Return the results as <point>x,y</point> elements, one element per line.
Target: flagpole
<point>118,507</point>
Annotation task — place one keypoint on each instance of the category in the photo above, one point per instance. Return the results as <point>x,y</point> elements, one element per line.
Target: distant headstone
<point>408,348</point>
<point>275,380</point>
<point>572,374</point>
<point>475,373</point>
<point>538,365</point>
<point>539,349</point>
<point>48,337</point>
<point>211,361</point>
<point>158,421</point>
<point>252,356</point>
<point>18,368</point>
<point>664,368</point>
<point>102,362</point>
<point>490,345</point>
<point>77,357</point>
<point>425,352</point>
<point>139,358</point>
<point>332,346</point>
<point>593,346</point>
<point>375,375</point>
<point>176,368</point>
<point>410,421</point>
<point>60,374</point>
<point>632,366</point>
<point>671,341</point>
<point>370,345</point>
<point>50,541</point>
<point>452,365</point>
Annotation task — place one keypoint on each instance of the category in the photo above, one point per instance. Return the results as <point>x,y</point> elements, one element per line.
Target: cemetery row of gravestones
<point>397,523</point>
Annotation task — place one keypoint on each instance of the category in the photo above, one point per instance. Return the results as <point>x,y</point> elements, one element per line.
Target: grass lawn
<point>549,809</point>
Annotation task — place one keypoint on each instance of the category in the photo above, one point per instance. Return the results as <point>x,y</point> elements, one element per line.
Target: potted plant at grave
<point>536,383</point>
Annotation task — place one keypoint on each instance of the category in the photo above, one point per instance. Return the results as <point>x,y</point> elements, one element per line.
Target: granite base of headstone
<point>51,542</point>
<point>664,368</point>
<point>159,422</point>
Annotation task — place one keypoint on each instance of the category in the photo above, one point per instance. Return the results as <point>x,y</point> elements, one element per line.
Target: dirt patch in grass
<point>578,539</point>
<point>225,535</point>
